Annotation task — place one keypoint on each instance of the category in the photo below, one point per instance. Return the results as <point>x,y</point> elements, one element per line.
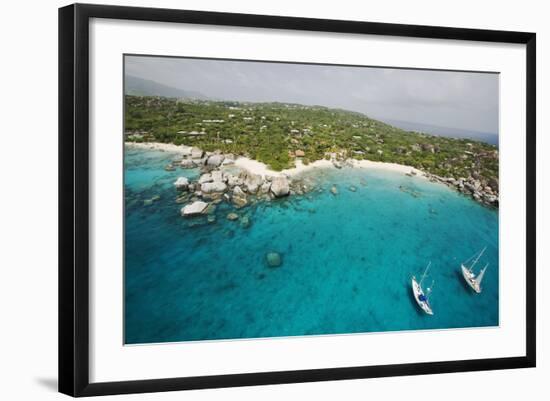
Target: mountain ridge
<point>135,86</point>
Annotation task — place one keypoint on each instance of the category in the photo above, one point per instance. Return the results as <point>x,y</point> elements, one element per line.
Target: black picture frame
<point>74,199</point>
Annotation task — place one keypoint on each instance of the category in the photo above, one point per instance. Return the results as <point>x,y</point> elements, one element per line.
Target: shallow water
<point>347,258</point>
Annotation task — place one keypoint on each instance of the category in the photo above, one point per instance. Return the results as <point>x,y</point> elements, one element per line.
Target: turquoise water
<point>347,259</point>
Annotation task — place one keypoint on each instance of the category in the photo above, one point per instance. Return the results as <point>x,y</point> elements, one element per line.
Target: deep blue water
<point>347,259</point>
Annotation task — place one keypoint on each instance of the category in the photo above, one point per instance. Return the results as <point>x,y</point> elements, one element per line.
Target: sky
<point>461,100</point>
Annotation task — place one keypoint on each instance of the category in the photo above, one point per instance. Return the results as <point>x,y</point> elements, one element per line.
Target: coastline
<point>256,167</point>
<point>163,147</point>
<point>468,186</point>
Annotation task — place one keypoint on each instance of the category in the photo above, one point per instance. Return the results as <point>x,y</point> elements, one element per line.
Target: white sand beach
<point>400,168</point>
<point>163,147</point>
<point>257,167</point>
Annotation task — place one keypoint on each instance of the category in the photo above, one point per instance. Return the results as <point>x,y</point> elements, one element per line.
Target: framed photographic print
<point>250,199</point>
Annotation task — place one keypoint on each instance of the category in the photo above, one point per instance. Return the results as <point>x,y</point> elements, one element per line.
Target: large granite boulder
<point>194,208</point>
<point>280,186</point>
<point>196,153</point>
<point>233,180</point>
<point>229,159</point>
<point>186,150</point>
<point>266,186</point>
<point>239,197</point>
<point>213,187</point>
<point>207,177</point>
<point>187,163</point>
<point>181,184</point>
<point>253,182</point>
<point>215,160</point>
<point>237,191</point>
<point>217,176</point>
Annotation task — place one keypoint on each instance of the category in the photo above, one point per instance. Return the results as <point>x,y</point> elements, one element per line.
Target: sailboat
<point>419,294</point>
<point>473,280</point>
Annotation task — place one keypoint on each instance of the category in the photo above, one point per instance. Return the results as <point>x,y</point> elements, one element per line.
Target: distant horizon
<point>466,101</point>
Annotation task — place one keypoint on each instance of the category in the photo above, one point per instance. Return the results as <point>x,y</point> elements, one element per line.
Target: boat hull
<point>470,278</point>
<point>417,292</point>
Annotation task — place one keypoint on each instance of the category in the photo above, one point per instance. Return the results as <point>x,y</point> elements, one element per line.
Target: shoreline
<point>467,186</point>
<point>256,167</point>
<point>163,147</point>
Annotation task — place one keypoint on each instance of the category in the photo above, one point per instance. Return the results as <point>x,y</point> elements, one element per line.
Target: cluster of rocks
<point>216,185</point>
<point>482,190</point>
<point>193,157</point>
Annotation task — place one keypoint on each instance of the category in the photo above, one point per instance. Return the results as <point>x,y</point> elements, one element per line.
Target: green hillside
<point>275,133</point>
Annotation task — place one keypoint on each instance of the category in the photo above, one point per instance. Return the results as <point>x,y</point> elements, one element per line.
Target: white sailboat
<point>473,280</point>
<point>419,294</point>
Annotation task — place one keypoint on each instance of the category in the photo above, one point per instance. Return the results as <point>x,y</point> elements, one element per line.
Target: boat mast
<point>481,273</point>
<point>424,274</point>
<point>476,259</point>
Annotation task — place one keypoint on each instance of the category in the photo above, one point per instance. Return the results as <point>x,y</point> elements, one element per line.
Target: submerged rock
<point>280,186</point>
<point>210,209</point>
<point>239,197</point>
<point>352,188</point>
<point>182,198</point>
<point>181,184</point>
<point>194,208</point>
<point>273,259</point>
<point>334,190</point>
<point>169,167</point>
<point>214,196</point>
<point>232,216</point>
<point>245,222</point>
<point>148,202</point>
<point>239,202</point>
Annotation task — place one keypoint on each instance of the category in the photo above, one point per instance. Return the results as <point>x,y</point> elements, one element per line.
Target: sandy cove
<point>163,147</point>
<point>468,186</point>
<point>257,167</point>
